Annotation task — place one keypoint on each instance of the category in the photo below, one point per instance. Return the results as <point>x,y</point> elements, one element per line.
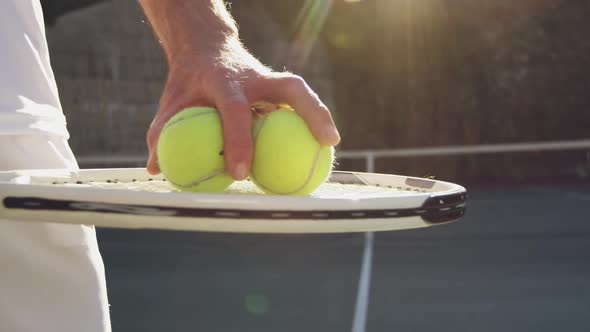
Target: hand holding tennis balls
<point>190,151</point>
<point>288,160</point>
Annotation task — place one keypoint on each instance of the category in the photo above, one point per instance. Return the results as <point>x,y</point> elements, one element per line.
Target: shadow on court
<point>517,262</point>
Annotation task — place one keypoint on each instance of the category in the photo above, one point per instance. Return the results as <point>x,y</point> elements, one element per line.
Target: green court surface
<point>517,262</point>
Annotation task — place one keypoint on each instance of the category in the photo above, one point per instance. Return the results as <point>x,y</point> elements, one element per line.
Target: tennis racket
<point>132,198</point>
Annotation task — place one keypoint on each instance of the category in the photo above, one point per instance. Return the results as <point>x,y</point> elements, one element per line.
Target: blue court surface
<point>519,261</point>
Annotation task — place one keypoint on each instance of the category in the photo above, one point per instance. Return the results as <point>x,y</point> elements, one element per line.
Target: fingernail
<point>240,171</point>
<point>332,135</point>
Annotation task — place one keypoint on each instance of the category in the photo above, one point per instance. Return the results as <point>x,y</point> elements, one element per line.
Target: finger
<point>236,117</point>
<point>152,140</point>
<point>293,90</point>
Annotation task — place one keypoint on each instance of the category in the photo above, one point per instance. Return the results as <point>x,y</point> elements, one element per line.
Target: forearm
<point>190,26</point>
<point>209,66</point>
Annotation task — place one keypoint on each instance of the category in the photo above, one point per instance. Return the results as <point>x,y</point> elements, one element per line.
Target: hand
<point>232,80</point>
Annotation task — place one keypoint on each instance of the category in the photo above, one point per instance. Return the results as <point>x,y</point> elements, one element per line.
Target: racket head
<point>132,198</point>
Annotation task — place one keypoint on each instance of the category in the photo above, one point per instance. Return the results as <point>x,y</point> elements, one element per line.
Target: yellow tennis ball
<point>190,151</point>
<point>287,158</point>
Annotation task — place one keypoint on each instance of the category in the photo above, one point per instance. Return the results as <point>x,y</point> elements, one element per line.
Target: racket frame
<point>65,197</point>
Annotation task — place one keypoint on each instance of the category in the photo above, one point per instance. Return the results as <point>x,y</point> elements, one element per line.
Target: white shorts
<point>51,275</point>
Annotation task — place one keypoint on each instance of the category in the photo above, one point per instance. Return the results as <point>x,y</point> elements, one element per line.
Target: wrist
<point>191,26</point>
<point>225,55</point>
<point>206,50</point>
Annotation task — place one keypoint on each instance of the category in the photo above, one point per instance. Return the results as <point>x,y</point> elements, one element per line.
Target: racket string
<point>327,190</point>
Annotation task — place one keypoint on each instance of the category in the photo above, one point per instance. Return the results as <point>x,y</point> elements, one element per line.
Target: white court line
<point>362,296</point>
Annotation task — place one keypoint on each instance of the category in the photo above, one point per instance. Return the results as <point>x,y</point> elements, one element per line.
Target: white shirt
<point>29,99</point>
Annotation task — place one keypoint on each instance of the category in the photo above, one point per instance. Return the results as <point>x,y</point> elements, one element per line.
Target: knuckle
<point>217,73</point>
<point>236,129</point>
<point>295,80</point>
<point>294,84</point>
<point>241,144</point>
<point>239,149</point>
<point>216,79</point>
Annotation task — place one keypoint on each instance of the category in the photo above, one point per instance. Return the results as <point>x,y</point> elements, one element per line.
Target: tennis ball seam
<point>305,183</point>
<point>200,180</point>
<point>309,174</point>
<point>172,123</point>
<point>259,129</point>
<point>215,172</point>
